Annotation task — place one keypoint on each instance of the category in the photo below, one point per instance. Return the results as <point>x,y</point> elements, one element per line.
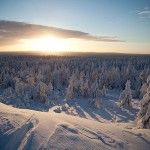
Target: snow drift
<point>28,129</point>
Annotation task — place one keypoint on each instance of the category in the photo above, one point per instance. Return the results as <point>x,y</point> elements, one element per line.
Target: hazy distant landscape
<point>74,75</point>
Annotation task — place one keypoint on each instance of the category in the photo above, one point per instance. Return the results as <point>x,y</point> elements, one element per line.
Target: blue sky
<point>127,19</point>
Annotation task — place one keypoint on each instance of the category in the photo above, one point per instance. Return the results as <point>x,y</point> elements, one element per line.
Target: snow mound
<point>28,129</point>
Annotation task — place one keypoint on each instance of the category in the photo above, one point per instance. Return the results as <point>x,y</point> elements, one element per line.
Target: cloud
<point>145,13</point>
<point>12,32</point>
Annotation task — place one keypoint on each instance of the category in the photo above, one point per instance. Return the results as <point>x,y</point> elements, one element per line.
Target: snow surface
<point>28,129</point>
<point>108,110</point>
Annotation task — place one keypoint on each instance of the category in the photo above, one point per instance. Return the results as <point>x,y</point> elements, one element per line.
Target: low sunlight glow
<point>46,44</point>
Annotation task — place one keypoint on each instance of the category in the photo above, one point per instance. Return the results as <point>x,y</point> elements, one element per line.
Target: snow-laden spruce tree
<point>9,93</point>
<point>81,82</point>
<point>143,89</point>
<point>73,87</point>
<point>83,86</point>
<point>86,88</point>
<point>69,92</point>
<point>50,88</point>
<point>143,117</point>
<point>40,92</point>
<point>103,91</point>
<point>19,87</point>
<point>95,91</point>
<point>148,79</point>
<point>126,96</point>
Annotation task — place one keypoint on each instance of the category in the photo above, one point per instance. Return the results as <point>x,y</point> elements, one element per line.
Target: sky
<point>75,25</point>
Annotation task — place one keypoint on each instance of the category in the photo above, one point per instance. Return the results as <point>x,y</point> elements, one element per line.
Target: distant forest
<point>43,78</point>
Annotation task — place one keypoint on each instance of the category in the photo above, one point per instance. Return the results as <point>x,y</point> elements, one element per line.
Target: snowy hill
<point>28,129</point>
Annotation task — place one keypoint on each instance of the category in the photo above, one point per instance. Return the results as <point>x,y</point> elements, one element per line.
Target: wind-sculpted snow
<point>30,130</point>
<point>20,137</point>
<point>15,132</point>
<point>75,137</point>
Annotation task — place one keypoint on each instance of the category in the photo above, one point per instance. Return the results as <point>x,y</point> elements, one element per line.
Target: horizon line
<point>67,52</point>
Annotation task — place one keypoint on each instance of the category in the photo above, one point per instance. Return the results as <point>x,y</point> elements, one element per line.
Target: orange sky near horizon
<point>54,44</point>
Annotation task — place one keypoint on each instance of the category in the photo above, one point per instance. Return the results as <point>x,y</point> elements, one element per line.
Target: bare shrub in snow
<point>65,107</point>
<point>57,110</point>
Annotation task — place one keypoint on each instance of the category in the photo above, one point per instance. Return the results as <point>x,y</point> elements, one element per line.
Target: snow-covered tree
<point>86,88</point>
<point>57,79</point>
<point>50,88</point>
<point>113,77</point>
<point>73,87</point>
<point>148,80</point>
<point>9,93</point>
<point>69,92</point>
<point>143,75</point>
<point>83,85</point>
<point>126,96</point>
<point>19,87</point>
<point>94,90</point>
<point>143,89</point>
<point>30,80</point>
<point>27,99</point>
<point>39,76</point>
<point>143,117</point>
<point>40,92</point>
<point>103,91</point>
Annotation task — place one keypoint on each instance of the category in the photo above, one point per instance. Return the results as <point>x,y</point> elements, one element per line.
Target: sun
<point>47,44</point>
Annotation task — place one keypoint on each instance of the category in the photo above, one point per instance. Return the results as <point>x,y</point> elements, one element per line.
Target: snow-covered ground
<point>108,110</point>
<point>28,129</point>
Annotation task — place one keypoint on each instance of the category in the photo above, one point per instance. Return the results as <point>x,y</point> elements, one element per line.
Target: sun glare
<point>47,44</point>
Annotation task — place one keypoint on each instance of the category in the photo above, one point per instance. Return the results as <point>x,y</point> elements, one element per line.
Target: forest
<point>53,80</point>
